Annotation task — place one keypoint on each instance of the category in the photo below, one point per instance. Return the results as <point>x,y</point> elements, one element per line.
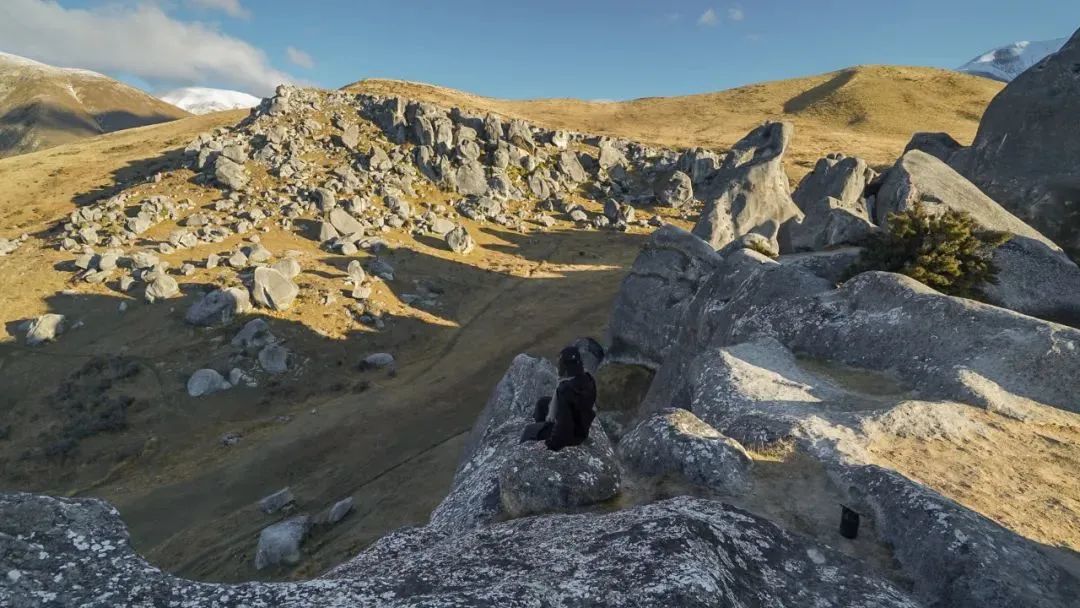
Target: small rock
<point>459,240</point>
<point>274,290</point>
<point>205,382</point>
<point>44,329</point>
<point>378,361</point>
<point>277,501</point>
<point>280,543</point>
<point>274,359</point>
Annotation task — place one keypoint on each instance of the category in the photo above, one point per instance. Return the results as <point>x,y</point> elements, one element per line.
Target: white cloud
<point>300,58</point>
<point>708,17</point>
<point>673,17</point>
<point>735,14</point>
<point>232,8</point>
<point>140,41</point>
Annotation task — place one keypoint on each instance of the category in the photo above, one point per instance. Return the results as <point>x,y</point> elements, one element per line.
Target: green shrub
<point>947,251</point>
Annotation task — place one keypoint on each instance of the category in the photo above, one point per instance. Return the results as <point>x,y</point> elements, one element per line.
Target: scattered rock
<point>218,307</point>
<point>277,501</point>
<point>274,359</point>
<point>206,382</point>
<point>45,329</point>
<point>274,290</point>
<point>279,544</point>
<point>459,240</point>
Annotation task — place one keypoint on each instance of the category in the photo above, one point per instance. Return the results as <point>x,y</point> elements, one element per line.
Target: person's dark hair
<point>570,362</point>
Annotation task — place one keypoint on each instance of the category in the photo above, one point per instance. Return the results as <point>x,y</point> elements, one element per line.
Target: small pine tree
<point>947,251</point>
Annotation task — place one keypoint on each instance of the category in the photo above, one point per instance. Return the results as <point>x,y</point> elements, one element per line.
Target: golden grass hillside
<point>869,111</point>
<point>42,106</point>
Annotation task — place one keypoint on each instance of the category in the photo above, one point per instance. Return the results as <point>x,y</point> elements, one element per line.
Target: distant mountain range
<point>1007,62</point>
<point>202,100</point>
<point>43,106</point>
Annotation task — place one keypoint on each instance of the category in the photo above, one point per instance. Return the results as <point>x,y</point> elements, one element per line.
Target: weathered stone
<point>288,267</point>
<point>273,289</point>
<point>1035,277</point>
<point>665,276</point>
<point>44,328</point>
<point>675,442</point>
<point>230,174</point>
<point>218,307</point>
<point>675,190</point>
<point>206,382</point>
<point>272,503</point>
<point>378,360</point>
<point>280,543</point>
<point>1026,155</point>
<point>750,192</point>
<point>686,552</point>
<point>161,287</point>
<point>274,359</point>
<point>536,480</point>
<point>459,240</point>
<point>343,223</point>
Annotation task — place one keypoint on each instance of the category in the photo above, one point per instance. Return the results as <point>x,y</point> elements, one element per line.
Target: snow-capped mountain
<point>1007,62</point>
<point>202,100</point>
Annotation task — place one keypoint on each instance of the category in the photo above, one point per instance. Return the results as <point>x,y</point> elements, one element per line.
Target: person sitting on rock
<point>564,420</point>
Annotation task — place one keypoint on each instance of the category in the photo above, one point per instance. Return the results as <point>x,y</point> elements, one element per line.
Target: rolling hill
<point>42,106</point>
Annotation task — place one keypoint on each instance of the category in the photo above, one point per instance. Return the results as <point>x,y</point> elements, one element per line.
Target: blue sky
<point>602,49</point>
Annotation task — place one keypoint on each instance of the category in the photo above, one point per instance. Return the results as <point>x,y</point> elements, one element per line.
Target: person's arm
<point>562,433</point>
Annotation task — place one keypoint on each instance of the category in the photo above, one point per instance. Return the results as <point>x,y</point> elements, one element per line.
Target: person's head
<point>570,362</point>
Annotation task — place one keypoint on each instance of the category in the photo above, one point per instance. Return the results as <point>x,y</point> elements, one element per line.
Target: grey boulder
<point>273,289</point>
<point>44,328</point>
<point>206,382</point>
<point>279,544</point>
<point>218,307</point>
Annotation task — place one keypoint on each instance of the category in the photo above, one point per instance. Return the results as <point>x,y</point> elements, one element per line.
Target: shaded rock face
<point>675,442</point>
<point>667,273</point>
<point>941,146</point>
<point>1026,154</point>
<point>749,192</point>
<point>474,494</point>
<point>679,552</point>
<point>218,307</point>
<point>44,329</point>
<point>1035,277</point>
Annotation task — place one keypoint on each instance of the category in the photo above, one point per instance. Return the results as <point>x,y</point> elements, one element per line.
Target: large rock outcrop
<point>749,192</point>
<point>1035,278</point>
<point>664,277</point>
<point>680,552</point>
<point>834,210</point>
<point>1026,154</point>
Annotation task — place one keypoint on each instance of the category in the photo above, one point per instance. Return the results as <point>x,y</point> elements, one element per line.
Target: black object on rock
<point>849,523</point>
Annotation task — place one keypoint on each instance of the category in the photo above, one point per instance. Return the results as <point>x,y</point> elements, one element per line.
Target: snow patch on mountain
<point>202,100</point>
<point>1009,61</point>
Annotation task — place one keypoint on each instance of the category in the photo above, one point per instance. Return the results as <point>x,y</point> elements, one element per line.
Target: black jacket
<point>575,399</point>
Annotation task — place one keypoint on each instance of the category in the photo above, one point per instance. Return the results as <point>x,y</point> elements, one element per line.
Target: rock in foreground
<point>681,552</point>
